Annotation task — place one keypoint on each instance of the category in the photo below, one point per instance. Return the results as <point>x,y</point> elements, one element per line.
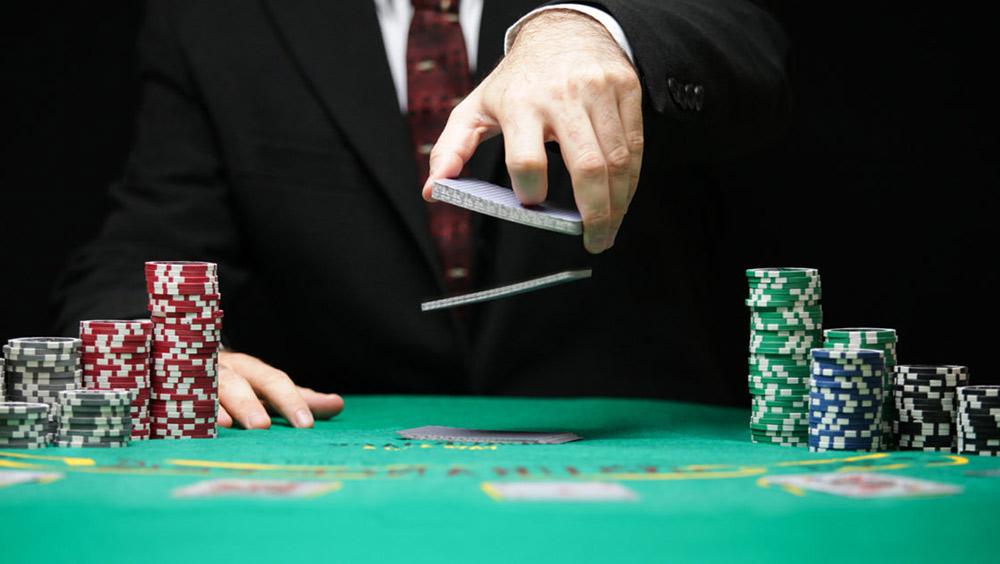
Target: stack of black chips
<point>924,398</point>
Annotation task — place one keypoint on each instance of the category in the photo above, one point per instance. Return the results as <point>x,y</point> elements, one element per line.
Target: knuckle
<point>526,163</point>
<point>597,217</point>
<point>590,164</point>
<point>636,142</point>
<point>619,159</point>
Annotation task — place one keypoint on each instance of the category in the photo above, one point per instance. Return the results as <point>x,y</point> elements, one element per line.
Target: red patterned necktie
<point>437,77</point>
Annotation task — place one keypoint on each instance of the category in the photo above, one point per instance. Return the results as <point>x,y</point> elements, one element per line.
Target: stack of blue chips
<point>845,399</point>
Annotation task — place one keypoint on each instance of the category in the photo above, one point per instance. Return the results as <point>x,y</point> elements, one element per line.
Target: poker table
<point>702,493</point>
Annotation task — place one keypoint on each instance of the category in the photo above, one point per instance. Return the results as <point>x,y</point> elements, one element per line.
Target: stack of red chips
<point>115,356</point>
<point>184,302</point>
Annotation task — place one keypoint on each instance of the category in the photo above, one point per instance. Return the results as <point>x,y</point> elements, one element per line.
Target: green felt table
<point>702,489</point>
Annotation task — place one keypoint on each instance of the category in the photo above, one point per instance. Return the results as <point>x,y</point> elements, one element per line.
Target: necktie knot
<point>442,6</point>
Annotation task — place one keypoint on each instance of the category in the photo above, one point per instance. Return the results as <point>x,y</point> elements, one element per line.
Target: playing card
<point>502,203</point>
<point>558,491</point>
<point>460,435</point>
<point>11,477</point>
<point>235,487</point>
<point>864,484</point>
<point>508,290</point>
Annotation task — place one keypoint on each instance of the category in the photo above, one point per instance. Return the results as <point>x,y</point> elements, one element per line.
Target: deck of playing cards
<point>460,435</point>
<point>502,203</point>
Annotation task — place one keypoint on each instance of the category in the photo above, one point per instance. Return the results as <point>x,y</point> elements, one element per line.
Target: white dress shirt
<point>394,20</point>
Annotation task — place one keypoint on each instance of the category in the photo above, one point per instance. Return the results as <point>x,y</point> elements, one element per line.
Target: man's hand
<point>249,387</point>
<point>564,79</point>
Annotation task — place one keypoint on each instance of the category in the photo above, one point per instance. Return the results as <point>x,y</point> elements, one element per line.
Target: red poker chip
<point>182,291</point>
<point>92,351</point>
<point>182,279</point>
<point>177,310</point>
<point>114,340</point>
<point>184,404</point>
<point>171,375</point>
<point>122,383</point>
<point>201,383</point>
<point>183,265</point>
<point>205,301</point>
<point>184,340</point>
<point>214,317</point>
<point>186,348</point>
<point>192,379</point>
<point>182,425</point>
<point>169,332</point>
<point>117,325</point>
<point>122,371</point>
<point>107,357</point>
<point>187,396</point>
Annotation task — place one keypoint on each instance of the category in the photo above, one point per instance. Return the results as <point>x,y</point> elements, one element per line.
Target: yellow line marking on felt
<point>953,460</point>
<point>872,456</point>
<point>20,465</point>
<point>67,460</point>
<point>653,476</point>
<point>787,488</point>
<point>489,490</point>
<point>899,466</point>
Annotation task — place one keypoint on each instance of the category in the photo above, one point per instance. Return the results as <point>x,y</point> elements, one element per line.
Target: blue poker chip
<point>846,434</point>
<point>870,385</point>
<point>823,403</point>
<point>846,354</point>
<point>819,370</point>
<point>830,394</point>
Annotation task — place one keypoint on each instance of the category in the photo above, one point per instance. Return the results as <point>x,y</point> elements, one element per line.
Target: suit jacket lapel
<point>338,47</point>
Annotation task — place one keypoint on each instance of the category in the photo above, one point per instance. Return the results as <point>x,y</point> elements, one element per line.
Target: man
<point>287,140</point>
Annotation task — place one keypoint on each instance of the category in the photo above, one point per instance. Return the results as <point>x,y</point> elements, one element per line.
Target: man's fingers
<point>524,146</point>
<point>240,401</point>
<point>323,406</point>
<point>467,127</point>
<point>630,109</point>
<point>584,158</point>
<point>607,122</point>
<point>223,418</point>
<point>277,389</point>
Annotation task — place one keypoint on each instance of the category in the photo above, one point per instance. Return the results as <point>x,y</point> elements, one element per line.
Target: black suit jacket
<point>269,140</point>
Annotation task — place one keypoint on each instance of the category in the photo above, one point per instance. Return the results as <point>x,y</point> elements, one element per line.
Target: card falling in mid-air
<point>502,203</point>
<point>507,291</point>
<point>497,201</point>
<point>460,435</point>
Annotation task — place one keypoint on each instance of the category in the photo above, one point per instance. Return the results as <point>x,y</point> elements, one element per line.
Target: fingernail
<point>303,418</point>
<point>597,244</point>
<point>259,421</point>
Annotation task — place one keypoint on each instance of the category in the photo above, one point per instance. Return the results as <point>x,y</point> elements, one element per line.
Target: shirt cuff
<point>604,18</point>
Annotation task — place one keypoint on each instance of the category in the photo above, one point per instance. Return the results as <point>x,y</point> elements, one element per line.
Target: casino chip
<point>94,418</point>
<point>977,420</point>
<point>845,399</point>
<point>785,323</point>
<point>115,356</point>
<point>184,303</point>
<point>878,339</point>
<point>23,424</point>
<point>924,401</point>
<point>36,369</point>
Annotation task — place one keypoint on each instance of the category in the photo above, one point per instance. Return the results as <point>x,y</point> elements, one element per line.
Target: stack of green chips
<point>879,339</point>
<point>786,322</point>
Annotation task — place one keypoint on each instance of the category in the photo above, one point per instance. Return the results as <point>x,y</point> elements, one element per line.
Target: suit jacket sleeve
<point>731,51</point>
<point>171,203</point>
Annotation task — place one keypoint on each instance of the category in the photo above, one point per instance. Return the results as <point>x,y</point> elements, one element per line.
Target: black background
<point>887,180</point>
